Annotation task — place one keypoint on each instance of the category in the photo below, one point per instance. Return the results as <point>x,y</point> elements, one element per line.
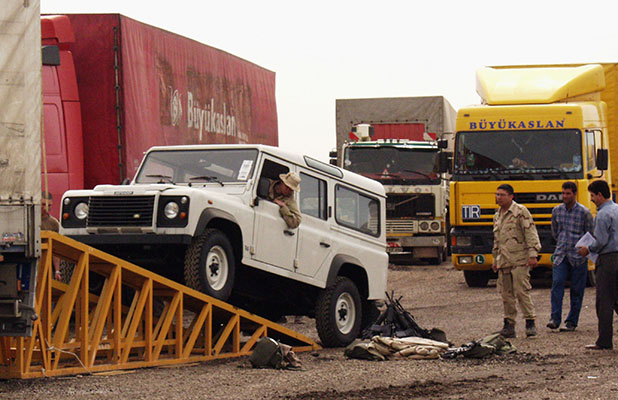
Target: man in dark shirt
<point>606,245</point>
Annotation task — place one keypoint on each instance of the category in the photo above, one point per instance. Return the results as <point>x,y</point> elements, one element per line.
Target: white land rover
<point>200,215</point>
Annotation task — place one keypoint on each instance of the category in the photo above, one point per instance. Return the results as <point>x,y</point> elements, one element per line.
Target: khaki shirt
<point>50,223</point>
<point>515,237</point>
<point>289,211</point>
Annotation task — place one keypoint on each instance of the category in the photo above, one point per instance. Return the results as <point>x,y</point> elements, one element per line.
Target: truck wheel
<point>476,278</point>
<point>338,313</point>
<point>210,266</point>
<point>591,279</point>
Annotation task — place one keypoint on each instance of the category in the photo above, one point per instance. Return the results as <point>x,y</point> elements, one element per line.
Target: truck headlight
<point>81,211</point>
<point>463,241</point>
<point>435,226</point>
<point>424,225</point>
<point>171,210</point>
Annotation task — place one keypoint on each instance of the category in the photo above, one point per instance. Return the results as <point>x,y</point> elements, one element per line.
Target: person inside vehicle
<point>371,225</point>
<point>50,223</point>
<point>281,192</point>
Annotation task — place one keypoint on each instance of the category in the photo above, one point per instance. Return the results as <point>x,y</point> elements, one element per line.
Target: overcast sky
<point>327,50</point>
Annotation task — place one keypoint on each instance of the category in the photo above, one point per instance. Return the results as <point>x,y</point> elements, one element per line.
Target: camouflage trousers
<point>514,286</point>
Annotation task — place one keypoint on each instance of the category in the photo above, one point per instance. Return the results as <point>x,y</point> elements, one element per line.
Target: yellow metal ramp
<point>159,321</point>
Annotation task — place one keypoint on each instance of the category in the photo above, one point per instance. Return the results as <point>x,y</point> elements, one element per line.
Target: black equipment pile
<point>395,321</point>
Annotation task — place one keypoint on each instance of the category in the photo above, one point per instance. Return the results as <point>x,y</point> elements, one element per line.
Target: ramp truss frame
<point>159,322</point>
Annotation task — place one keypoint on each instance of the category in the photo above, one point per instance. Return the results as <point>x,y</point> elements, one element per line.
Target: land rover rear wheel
<point>338,313</point>
<point>210,266</point>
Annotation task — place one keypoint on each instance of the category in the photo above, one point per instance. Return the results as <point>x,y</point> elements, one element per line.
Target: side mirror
<point>263,186</point>
<point>442,144</point>
<point>444,163</point>
<point>332,157</point>
<point>602,159</point>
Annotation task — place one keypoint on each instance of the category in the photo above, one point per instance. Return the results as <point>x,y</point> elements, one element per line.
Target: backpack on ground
<point>491,344</point>
<point>267,354</point>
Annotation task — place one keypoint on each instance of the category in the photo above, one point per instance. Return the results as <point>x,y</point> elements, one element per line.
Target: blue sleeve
<point>601,232</point>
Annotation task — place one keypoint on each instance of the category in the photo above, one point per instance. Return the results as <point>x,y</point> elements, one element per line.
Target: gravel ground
<point>551,366</point>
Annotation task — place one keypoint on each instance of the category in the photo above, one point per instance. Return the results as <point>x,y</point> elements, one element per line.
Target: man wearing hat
<point>281,192</point>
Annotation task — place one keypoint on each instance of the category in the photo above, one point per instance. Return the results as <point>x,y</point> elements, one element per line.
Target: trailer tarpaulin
<point>405,117</point>
<point>20,99</point>
<point>168,90</point>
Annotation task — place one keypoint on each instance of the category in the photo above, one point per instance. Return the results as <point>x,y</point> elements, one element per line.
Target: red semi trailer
<point>113,87</point>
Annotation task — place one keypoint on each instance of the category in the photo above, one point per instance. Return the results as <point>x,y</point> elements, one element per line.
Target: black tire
<point>210,266</point>
<point>591,279</point>
<point>476,278</point>
<point>371,313</point>
<point>338,313</point>
<point>66,271</point>
<point>95,281</point>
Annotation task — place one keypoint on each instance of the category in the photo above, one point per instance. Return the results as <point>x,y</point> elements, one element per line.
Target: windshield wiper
<point>561,174</point>
<point>419,173</point>
<point>162,177</point>
<point>207,178</point>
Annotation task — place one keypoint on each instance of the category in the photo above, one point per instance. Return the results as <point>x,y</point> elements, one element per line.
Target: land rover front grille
<point>120,211</point>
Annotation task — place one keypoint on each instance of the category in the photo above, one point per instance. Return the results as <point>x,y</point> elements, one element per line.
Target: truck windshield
<point>394,165</point>
<point>184,166</point>
<point>518,155</point>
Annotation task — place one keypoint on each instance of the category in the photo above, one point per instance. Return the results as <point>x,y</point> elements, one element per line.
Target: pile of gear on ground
<point>396,334</point>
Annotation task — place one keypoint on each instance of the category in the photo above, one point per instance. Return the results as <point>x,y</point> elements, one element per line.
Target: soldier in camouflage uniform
<point>515,251</point>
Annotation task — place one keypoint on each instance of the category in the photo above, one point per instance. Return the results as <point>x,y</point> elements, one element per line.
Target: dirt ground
<point>554,365</point>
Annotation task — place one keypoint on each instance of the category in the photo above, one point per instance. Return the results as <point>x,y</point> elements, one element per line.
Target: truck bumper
<point>419,246</point>
<point>478,255</point>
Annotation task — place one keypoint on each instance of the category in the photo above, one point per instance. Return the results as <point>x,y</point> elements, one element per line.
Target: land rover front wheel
<point>210,265</point>
<point>338,313</point>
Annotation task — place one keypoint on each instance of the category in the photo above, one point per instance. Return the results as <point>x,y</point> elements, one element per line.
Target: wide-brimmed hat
<point>291,180</point>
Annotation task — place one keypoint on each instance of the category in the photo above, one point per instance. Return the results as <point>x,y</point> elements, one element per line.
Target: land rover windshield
<point>394,165</point>
<point>198,166</point>
<point>518,155</point>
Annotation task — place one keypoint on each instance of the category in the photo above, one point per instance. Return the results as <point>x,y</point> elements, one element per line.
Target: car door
<point>314,233</point>
<point>273,242</point>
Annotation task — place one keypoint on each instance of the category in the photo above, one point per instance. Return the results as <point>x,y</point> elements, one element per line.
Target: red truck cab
<point>62,161</point>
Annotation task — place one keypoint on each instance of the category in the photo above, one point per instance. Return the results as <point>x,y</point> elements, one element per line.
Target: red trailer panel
<point>411,131</point>
<point>170,90</point>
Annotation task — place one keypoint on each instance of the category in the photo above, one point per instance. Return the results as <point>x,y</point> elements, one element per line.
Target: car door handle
<point>324,244</point>
<point>288,232</point>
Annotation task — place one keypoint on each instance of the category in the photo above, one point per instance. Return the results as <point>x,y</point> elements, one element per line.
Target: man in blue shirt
<point>569,222</point>
<point>606,245</point>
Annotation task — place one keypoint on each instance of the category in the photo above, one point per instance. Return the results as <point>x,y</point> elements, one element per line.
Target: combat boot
<point>530,328</point>
<point>508,331</point>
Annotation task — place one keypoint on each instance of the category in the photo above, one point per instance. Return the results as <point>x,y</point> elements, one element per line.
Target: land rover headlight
<point>171,210</point>
<point>81,211</point>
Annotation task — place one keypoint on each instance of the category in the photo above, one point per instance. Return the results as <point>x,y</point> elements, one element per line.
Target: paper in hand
<point>586,241</point>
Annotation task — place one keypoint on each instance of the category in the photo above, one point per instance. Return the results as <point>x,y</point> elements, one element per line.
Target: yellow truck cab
<point>537,127</point>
